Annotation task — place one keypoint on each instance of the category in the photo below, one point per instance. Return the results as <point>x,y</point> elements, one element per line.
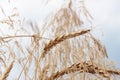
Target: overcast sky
<point>106,15</point>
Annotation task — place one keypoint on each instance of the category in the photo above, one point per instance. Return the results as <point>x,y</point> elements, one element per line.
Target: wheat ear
<point>61,39</point>
<point>84,67</point>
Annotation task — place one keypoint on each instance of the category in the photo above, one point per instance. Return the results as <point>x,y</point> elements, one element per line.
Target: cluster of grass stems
<point>62,50</point>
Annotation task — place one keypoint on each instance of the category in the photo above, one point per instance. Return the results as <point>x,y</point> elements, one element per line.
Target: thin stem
<point>22,36</point>
<point>17,36</point>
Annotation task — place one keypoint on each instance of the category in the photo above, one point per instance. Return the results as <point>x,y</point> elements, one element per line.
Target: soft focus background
<point>106,14</point>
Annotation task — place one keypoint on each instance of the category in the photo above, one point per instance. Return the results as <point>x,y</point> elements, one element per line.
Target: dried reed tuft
<point>73,55</point>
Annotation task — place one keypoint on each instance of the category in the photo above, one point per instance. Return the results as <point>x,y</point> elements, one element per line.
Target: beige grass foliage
<point>62,49</point>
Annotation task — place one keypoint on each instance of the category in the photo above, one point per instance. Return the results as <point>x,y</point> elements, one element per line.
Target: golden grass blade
<point>6,72</point>
<point>3,11</point>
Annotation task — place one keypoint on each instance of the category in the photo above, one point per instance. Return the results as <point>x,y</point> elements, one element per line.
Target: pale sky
<point>106,15</point>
